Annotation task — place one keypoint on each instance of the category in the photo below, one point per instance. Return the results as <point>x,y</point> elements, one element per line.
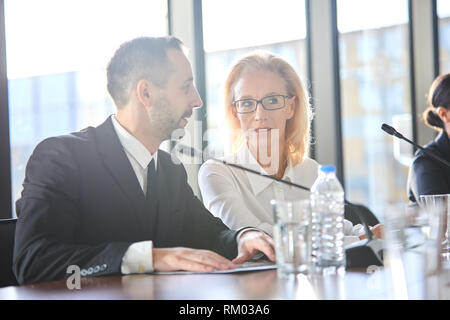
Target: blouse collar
<point>259,183</point>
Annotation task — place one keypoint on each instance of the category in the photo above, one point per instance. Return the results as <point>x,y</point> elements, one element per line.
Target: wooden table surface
<point>256,285</point>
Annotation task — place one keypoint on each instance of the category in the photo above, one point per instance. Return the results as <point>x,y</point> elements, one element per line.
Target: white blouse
<point>242,198</point>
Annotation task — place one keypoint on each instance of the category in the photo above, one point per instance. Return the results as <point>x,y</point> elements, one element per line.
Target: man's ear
<point>145,92</point>
<point>443,113</point>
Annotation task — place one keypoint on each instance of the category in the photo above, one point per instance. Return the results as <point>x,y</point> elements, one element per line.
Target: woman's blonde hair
<point>297,135</point>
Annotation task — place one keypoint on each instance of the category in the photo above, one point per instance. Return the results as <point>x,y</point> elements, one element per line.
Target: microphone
<point>359,255</point>
<point>390,130</point>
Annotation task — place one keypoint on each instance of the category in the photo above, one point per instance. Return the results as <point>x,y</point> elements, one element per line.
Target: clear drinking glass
<point>412,251</point>
<point>441,202</point>
<point>292,236</point>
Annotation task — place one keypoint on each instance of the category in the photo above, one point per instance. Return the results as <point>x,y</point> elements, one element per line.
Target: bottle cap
<point>327,169</point>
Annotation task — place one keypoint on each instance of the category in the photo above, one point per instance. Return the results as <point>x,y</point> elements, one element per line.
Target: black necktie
<point>151,201</point>
<point>151,180</point>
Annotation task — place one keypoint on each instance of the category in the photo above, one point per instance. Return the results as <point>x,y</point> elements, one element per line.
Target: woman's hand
<point>377,231</point>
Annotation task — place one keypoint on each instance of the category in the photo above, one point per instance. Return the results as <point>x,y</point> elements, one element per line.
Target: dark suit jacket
<point>429,176</point>
<point>82,205</point>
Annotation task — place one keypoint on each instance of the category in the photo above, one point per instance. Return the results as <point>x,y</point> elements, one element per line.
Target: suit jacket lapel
<point>116,160</point>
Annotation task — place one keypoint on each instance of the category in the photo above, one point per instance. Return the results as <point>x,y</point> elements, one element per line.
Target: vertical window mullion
<point>337,96</point>
<point>5,149</point>
<point>436,61</point>
<point>200,72</point>
<point>412,81</point>
<point>310,83</point>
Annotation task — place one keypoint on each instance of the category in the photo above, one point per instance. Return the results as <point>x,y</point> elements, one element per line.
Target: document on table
<point>244,267</point>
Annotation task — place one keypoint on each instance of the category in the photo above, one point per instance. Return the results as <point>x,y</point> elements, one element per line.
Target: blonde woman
<point>268,113</point>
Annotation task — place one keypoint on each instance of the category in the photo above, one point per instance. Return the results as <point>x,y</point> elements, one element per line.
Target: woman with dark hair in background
<point>428,176</point>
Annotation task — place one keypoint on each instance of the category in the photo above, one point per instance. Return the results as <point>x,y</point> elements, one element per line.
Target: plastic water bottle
<point>327,223</point>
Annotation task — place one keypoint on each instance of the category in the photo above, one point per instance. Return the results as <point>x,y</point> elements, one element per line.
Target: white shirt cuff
<point>353,230</point>
<point>238,236</point>
<point>257,255</point>
<point>138,258</point>
<point>348,240</point>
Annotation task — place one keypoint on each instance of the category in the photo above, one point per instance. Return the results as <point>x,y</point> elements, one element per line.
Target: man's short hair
<point>137,59</point>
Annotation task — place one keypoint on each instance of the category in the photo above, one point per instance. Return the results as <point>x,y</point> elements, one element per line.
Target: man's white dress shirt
<point>241,198</point>
<point>138,258</point>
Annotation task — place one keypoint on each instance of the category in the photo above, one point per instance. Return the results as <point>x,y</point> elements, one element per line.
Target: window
<point>56,65</point>
<point>443,11</point>
<point>234,28</point>
<point>375,88</point>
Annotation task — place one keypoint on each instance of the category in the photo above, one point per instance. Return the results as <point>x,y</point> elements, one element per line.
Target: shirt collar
<point>133,146</point>
<point>258,183</point>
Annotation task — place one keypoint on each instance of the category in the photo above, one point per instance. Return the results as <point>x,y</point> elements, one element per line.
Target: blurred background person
<point>428,176</point>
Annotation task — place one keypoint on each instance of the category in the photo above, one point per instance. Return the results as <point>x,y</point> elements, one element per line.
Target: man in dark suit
<point>108,201</point>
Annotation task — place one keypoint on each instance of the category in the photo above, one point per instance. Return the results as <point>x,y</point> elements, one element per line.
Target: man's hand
<point>251,242</point>
<point>174,259</point>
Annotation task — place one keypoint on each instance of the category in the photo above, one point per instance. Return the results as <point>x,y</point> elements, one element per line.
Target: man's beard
<point>162,118</point>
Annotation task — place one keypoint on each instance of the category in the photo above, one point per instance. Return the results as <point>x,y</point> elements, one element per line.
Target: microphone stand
<point>390,130</point>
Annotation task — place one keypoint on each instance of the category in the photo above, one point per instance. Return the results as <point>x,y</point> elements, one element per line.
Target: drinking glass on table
<point>441,201</point>
<point>412,251</point>
<point>292,236</point>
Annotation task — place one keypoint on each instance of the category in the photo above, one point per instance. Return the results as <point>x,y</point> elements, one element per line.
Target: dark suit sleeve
<point>427,177</point>
<point>48,220</point>
<point>203,230</point>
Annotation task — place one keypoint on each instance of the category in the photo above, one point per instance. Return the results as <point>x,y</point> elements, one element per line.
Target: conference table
<point>372,283</point>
